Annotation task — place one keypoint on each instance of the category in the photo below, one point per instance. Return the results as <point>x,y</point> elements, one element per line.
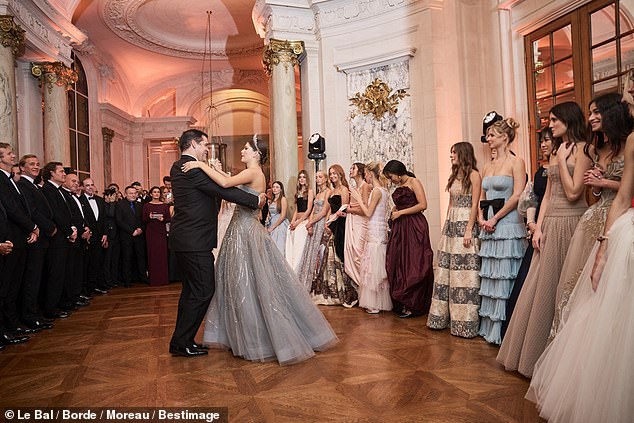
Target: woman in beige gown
<point>356,225</point>
<point>561,208</point>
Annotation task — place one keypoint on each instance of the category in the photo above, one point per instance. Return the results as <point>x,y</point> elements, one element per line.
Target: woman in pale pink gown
<point>356,224</point>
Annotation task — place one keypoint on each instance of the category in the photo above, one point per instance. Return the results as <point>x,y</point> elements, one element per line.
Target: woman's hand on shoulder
<point>194,164</point>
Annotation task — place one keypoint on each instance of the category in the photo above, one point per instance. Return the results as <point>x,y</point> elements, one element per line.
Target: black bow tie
<point>11,175</point>
<point>91,197</point>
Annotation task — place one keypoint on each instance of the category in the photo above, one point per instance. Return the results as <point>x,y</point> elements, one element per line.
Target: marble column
<point>12,39</point>
<point>280,58</point>
<point>56,78</point>
<point>108,135</point>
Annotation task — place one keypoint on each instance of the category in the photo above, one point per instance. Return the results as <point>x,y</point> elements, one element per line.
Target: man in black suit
<point>36,253</point>
<point>94,209</point>
<point>129,216</point>
<point>193,234</point>
<point>21,231</point>
<point>54,177</point>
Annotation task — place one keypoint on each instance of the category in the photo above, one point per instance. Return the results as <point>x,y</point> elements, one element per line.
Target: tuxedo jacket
<point>41,211</point>
<point>19,223</point>
<point>194,225</point>
<point>61,215</point>
<point>128,221</point>
<point>4,230</point>
<point>96,224</point>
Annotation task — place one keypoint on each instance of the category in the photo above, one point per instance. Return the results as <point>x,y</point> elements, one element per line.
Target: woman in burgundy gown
<point>156,214</point>
<point>409,254</point>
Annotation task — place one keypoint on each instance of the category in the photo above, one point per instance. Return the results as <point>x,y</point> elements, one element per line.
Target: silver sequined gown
<point>260,311</point>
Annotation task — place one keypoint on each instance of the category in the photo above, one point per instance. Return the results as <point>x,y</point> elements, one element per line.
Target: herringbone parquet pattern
<point>385,369</point>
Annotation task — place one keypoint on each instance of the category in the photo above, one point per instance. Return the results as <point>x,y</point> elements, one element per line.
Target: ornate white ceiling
<point>178,28</point>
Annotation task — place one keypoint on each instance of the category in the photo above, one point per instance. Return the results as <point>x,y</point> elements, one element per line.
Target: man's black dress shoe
<point>21,330</point>
<point>57,315</point>
<point>186,351</point>
<point>2,347</point>
<point>200,346</point>
<point>82,303</point>
<point>12,340</point>
<point>100,291</point>
<point>85,297</point>
<point>38,324</point>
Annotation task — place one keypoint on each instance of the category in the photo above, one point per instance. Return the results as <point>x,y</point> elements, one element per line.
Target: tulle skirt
<point>374,288</point>
<point>295,242</point>
<point>586,374</point>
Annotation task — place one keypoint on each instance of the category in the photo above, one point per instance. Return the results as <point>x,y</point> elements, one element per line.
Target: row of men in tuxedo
<point>55,241</point>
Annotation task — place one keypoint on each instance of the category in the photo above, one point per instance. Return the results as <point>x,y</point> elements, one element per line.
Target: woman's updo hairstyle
<point>506,126</point>
<point>259,146</point>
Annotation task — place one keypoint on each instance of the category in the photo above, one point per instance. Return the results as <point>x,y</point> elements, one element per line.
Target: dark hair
<point>466,163</point>
<point>360,169</point>
<point>109,191</point>
<point>129,187</point>
<point>278,202</point>
<point>394,167</point>
<point>187,137</point>
<point>259,146</point>
<point>113,184</point>
<point>24,158</point>
<point>136,183</point>
<point>49,168</point>
<point>572,116</point>
<point>546,131</point>
<point>616,124</point>
<point>167,179</point>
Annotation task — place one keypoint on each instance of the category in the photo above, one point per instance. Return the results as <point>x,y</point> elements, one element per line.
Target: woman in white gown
<point>260,311</point>
<point>587,373</point>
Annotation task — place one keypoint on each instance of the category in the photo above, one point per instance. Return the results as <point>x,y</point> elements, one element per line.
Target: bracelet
<point>602,238</point>
<point>595,194</point>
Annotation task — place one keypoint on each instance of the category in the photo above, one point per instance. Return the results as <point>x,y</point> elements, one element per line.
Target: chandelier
<point>218,149</point>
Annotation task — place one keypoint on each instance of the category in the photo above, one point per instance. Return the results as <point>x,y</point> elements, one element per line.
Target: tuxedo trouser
<point>55,272</point>
<point>133,256</point>
<point>12,276</point>
<point>199,285</point>
<point>74,275</point>
<point>32,282</point>
<point>111,262</point>
<point>94,266</point>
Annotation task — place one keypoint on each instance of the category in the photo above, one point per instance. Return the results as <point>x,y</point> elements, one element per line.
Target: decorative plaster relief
<point>391,136</point>
<point>120,17</point>
<point>340,12</point>
<point>37,27</point>
<point>270,20</point>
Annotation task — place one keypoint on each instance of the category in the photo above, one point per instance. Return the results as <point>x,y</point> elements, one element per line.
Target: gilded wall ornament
<point>54,73</point>
<point>12,35</point>
<point>377,100</point>
<point>282,51</point>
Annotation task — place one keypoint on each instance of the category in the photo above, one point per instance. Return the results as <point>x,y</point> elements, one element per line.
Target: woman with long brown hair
<point>277,222</point>
<point>456,299</point>
<point>297,232</point>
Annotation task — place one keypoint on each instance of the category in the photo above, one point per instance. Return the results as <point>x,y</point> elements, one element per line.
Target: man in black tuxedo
<point>94,208</point>
<point>36,253</point>
<point>21,231</point>
<point>129,216</point>
<point>193,234</point>
<point>54,176</point>
<point>75,276</point>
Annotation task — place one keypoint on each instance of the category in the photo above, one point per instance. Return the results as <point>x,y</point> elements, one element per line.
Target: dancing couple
<point>257,308</point>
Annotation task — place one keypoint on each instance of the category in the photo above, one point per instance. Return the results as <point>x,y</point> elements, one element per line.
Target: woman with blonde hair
<point>331,285</point>
<point>297,233</point>
<point>502,231</point>
<point>374,287</point>
<point>315,229</point>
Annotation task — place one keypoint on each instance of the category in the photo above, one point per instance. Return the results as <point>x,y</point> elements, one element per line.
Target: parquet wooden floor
<point>385,369</point>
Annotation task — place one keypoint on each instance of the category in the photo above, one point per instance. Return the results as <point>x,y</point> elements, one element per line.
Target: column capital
<point>12,35</point>
<point>107,133</point>
<point>282,51</point>
<point>54,73</point>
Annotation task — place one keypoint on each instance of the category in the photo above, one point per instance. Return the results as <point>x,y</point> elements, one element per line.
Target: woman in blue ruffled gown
<point>503,235</point>
<point>260,310</point>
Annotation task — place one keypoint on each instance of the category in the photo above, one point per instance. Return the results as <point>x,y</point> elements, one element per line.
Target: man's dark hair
<point>113,184</point>
<point>136,184</point>
<point>167,179</point>
<point>129,187</point>
<point>49,168</point>
<point>186,138</point>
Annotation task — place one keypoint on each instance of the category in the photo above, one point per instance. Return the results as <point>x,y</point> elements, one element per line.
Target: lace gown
<point>456,299</point>
<point>529,328</point>
<point>585,374</point>
<point>590,226</point>
<point>306,268</point>
<point>501,252</point>
<point>374,288</point>
<point>260,310</point>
